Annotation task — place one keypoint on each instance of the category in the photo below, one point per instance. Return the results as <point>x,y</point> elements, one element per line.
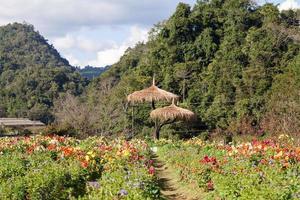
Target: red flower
<point>210,185</point>
<point>150,162</point>
<point>263,161</point>
<point>84,164</point>
<point>51,147</point>
<point>151,170</point>
<point>209,160</point>
<point>206,159</point>
<point>60,139</point>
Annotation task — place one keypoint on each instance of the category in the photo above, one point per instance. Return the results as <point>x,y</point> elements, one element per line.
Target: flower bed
<point>52,167</point>
<point>266,169</point>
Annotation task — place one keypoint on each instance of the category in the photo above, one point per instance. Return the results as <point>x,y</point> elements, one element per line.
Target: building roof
<point>14,122</point>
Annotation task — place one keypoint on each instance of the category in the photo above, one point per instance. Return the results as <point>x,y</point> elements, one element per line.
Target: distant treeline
<point>90,72</point>
<point>234,63</point>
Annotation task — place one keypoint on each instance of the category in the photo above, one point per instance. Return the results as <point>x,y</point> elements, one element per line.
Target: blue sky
<point>96,32</point>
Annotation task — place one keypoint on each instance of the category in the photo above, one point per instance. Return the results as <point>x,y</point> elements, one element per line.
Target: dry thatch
<point>151,94</point>
<point>172,113</point>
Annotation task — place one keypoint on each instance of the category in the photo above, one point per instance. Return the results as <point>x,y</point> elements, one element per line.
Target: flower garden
<point>267,169</point>
<point>53,167</point>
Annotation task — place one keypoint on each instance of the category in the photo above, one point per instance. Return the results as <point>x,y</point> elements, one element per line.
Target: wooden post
<point>158,127</point>
<point>156,130</point>
<point>132,119</point>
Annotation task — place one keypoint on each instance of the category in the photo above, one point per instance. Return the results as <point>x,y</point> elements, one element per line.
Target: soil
<point>171,188</point>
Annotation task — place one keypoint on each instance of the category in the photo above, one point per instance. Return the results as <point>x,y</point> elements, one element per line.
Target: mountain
<point>32,74</point>
<point>231,61</point>
<point>90,72</point>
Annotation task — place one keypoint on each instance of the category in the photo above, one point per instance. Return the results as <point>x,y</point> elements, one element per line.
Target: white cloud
<point>54,17</point>
<point>67,23</point>
<point>80,42</point>
<point>137,34</point>
<point>91,45</point>
<point>108,57</point>
<point>289,4</point>
<point>64,43</point>
<point>112,55</point>
<point>72,60</point>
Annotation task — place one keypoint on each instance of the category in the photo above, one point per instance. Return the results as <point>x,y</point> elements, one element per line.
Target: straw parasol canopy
<point>172,113</point>
<point>151,94</point>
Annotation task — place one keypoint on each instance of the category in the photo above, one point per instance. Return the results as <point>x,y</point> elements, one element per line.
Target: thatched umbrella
<point>170,114</point>
<point>151,94</point>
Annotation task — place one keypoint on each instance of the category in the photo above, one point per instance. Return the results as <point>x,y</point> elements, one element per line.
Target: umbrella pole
<point>159,126</point>
<point>153,105</point>
<point>156,130</point>
<point>156,126</point>
<point>132,120</point>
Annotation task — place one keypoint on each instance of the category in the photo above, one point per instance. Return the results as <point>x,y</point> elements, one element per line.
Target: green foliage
<point>32,74</point>
<point>90,72</point>
<point>260,169</point>
<point>284,103</point>
<point>52,167</point>
<point>222,57</point>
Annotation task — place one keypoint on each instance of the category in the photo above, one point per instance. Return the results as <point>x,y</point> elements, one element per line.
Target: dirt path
<point>171,189</point>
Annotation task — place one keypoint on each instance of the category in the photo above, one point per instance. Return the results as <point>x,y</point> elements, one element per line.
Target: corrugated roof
<point>19,122</point>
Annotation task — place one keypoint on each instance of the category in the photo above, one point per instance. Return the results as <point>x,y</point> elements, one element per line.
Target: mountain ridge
<point>32,74</point>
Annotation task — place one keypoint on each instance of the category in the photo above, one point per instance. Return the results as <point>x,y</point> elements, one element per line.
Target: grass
<point>172,187</point>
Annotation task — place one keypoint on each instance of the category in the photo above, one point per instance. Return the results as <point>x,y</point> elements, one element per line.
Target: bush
<point>266,169</point>
<point>54,167</point>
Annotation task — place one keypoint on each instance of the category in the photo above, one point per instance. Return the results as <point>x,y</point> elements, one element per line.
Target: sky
<point>96,32</point>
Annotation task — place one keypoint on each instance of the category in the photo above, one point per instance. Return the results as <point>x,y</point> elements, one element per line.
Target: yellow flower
<point>286,158</point>
<point>126,153</point>
<point>281,136</point>
<point>279,155</point>
<point>91,154</point>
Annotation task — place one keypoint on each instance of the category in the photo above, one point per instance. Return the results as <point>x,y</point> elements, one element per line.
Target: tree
<point>221,56</point>
<point>32,73</point>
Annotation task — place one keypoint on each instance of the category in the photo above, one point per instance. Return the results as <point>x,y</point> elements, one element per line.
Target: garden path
<point>171,188</point>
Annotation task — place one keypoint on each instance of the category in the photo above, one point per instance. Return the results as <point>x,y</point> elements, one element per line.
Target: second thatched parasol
<point>170,114</point>
<point>151,94</point>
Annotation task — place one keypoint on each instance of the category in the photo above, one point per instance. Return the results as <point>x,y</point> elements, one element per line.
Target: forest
<point>231,62</point>
<point>32,74</point>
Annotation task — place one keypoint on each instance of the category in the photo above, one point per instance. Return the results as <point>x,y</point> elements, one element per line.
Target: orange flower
<point>297,150</point>
<point>84,164</point>
<point>286,164</point>
<point>67,151</point>
<point>51,147</point>
<point>278,155</point>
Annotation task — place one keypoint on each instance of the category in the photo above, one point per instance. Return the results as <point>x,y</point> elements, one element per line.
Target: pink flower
<point>151,170</point>
<point>210,185</point>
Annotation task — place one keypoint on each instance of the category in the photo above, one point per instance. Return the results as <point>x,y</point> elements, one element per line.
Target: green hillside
<point>90,72</point>
<point>232,62</point>
<point>32,74</point>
